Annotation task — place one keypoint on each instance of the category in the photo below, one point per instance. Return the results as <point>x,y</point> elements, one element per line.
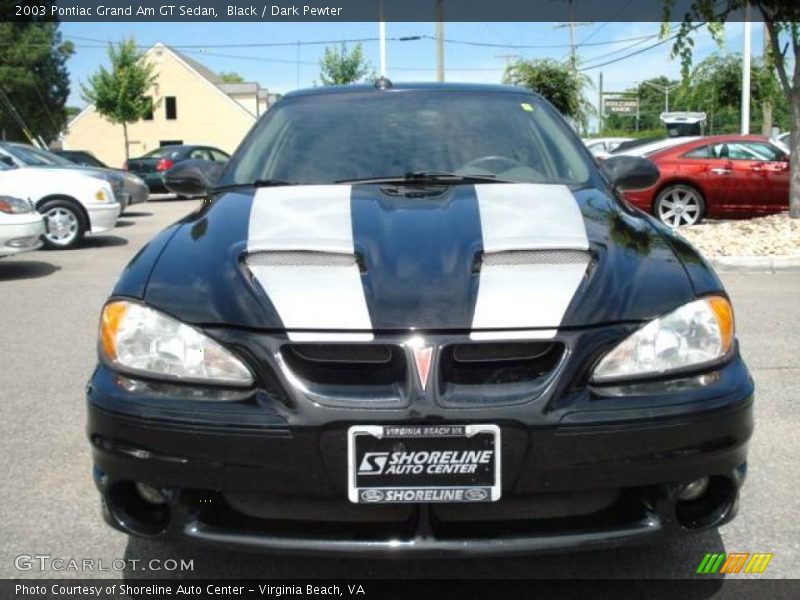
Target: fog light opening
<point>705,502</point>
<point>138,507</point>
<point>149,494</point>
<point>693,490</point>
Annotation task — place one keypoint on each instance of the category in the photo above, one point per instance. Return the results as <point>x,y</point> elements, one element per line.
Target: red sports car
<point>730,176</point>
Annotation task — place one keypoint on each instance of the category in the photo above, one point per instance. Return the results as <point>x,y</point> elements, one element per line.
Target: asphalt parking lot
<point>49,304</point>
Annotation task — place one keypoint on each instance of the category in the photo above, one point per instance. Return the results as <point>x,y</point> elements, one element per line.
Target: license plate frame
<point>476,476</point>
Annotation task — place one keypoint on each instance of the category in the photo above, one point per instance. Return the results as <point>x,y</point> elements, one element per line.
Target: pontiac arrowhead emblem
<point>423,353</point>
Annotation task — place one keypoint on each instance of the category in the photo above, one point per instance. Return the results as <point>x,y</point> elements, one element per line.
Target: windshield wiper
<point>258,183</point>
<point>440,177</point>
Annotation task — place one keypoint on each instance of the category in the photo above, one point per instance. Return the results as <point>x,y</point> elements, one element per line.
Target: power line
<point>584,41</point>
<point>406,38</point>
<point>615,52</point>
<point>538,46</point>
<point>256,58</point>
<point>391,39</point>
<point>637,52</point>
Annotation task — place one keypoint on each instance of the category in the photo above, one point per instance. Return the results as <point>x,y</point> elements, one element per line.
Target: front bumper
<point>103,217</point>
<point>254,477</point>
<point>137,193</point>
<point>21,233</point>
<point>154,181</point>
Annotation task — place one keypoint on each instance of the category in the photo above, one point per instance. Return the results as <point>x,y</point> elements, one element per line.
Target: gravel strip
<point>775,235</point>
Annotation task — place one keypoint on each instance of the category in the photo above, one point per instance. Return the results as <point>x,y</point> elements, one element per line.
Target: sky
<point>284,68</point>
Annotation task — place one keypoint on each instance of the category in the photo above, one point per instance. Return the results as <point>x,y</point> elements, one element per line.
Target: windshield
<point>82,158</point>
<point>36,157</point>
<point>327,138</point>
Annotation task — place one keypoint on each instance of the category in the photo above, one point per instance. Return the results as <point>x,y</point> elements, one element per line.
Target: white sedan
<point>603,146</point>
<point>21,227</point>
<point>73,204</point>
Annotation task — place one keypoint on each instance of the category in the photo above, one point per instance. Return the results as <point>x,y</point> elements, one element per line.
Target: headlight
<point>102,196</point>
<point>139,340</point>
<point>696,334</point>
<point>14,206</point>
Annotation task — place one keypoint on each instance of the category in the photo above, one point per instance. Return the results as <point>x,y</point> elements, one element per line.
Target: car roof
<point>708,139</point>
<point>417,86</point>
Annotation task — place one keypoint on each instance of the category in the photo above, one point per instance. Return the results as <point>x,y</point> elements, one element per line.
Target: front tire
<point>66,224</point>
<point>679,205</point>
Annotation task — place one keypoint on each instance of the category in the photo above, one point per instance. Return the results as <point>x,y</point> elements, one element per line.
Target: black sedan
<point>81,157</point>
<point>152,166</point>
<point>417,320</point>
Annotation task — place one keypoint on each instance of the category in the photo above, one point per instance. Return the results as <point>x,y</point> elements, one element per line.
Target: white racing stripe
<point>310,297</point>
<point>527,217</point>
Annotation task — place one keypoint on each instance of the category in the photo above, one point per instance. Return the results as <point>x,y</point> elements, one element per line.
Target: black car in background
<point>417,320</point>
<point>152,166</point>
<point>81,157</point>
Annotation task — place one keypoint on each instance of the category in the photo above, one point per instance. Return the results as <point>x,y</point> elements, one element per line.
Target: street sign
<point>621,105</point>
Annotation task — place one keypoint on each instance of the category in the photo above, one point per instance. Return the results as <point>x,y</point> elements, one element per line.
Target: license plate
<point>423,463</point>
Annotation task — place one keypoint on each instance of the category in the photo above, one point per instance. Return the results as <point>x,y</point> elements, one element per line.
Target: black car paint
<point>635,275</point>
<point>640,438</point>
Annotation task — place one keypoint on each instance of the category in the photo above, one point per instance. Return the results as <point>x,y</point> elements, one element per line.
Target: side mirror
<point>7,160</point>
<point>192,177</point>
<point>631,172</point>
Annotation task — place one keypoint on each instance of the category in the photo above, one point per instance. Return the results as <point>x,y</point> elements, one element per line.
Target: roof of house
<point>199,67</point>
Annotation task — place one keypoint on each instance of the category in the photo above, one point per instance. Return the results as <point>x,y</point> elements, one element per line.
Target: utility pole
<point>600,114</point>
<point>382,35</point>
<point>766,104</point>
<point>440,40</point>
<point>746,72</point>
<point>297,67</point>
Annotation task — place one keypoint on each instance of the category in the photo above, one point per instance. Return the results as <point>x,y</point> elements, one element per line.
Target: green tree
<point>33,75</point>
<point>120,95</point>
<point>231,77</point>
<point>555,81</point>
<point>782,19</point>
<point>340,66</point>
<point>715,87</point>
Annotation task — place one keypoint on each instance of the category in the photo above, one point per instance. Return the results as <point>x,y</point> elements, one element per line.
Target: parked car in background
<point>153,165</point>
<point>603,146</point>
<point>128,188</point>
<point>731,176</point>
<point>72,202</point>
<point>21,227</point>
<point>81,157</point>
<point>784,140</point>
<point>648,147</point>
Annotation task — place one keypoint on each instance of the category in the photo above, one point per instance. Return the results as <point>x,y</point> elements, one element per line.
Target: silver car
<point>128,188</point>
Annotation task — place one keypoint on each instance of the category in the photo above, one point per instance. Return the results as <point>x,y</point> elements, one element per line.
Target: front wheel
<point>66,224</point>
<point>678,205</point>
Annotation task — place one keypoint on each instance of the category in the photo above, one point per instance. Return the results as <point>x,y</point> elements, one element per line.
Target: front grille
<point>497,363</point>
<point>334,517</point>
<point>344,353</point>
<point>496,373</point>
<point>347,364</point>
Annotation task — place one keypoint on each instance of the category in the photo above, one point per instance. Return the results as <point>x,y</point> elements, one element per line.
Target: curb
<point>756,264</point>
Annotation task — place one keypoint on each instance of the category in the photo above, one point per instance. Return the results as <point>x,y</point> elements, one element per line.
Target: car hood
<point>364,258</point>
